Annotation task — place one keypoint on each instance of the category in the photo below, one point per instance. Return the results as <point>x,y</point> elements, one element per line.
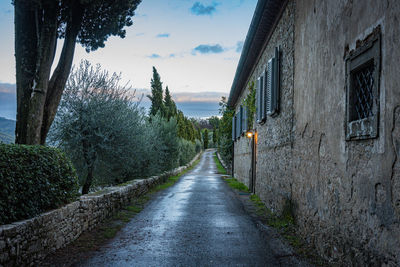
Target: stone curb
<point>27,242</point>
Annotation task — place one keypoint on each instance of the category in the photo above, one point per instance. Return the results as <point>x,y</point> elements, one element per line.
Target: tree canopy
<point>38,26</point>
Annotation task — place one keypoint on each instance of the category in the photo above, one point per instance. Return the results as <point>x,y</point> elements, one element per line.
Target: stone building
<point>327,122</point>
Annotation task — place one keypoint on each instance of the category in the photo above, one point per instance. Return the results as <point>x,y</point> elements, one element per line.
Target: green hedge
<point>34,179</point>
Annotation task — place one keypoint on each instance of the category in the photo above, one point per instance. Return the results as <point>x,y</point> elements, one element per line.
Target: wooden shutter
<point>244,130</point>
<point>269,85</point>
<point>261,105</point>
<point>238,124</point>
<point>241,120</point>
<point>258,100</point>
<point>263,98</point>
<point>233,128</point>
<point>273,85</point>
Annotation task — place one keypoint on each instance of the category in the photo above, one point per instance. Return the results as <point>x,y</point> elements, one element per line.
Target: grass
<point>235,184</point>
<point>220,168</point>
<point>284,223</point>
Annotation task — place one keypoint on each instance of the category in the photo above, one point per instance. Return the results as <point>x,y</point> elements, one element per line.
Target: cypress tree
<point>170,107</point>
<point>156,97</point>
<point>205,137</point>
<point>214,137</point>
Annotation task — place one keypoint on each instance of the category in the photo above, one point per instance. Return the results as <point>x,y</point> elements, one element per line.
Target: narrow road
<point>196,222</point>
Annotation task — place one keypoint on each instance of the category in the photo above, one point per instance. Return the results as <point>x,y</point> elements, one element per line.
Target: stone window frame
<point>369,52</point>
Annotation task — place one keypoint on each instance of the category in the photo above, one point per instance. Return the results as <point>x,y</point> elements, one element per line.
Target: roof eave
<point>262,25</point>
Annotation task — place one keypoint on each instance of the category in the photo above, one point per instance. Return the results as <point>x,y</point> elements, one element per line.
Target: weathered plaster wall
<point>347,192</point>
<point>27,242</point>
<point>274,145</point>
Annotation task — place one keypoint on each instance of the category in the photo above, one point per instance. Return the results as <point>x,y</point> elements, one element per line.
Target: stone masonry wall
<point>347,192</point>
<point>26,242</point>
<point>274,137</point>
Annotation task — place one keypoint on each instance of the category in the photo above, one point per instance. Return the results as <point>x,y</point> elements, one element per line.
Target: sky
<point>195,46</point>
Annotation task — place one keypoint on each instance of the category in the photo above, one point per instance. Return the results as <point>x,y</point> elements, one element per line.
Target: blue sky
<point>195,46</point>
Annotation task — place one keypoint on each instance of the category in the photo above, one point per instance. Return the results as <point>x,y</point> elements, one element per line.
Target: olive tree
<point>99,126</point>
<point>38,26</point>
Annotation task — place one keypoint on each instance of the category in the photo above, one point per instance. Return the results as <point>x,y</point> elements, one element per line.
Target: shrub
<point>198,145</point>
<point>187,151</point>
<point>33,179</point>
<point>163,141</point>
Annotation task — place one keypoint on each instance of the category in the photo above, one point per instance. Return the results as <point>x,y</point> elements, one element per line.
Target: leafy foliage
<point>250,103</point>
<point>213,121</point>
<point>205,138</point>
<point>169,104</point>
<point>224,132</point>
<point>33,179</point>
<point>101,19</point>
<point>99,126</point>
<point>214,136</point>
<point>109,139</point>
<point>38,25</point>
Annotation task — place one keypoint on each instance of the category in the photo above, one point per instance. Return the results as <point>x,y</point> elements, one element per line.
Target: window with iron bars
<point>362,88</point>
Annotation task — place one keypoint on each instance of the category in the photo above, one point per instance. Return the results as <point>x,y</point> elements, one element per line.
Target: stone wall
<point>274,136</point>
<point>26,242</point>
<point>346,193</point>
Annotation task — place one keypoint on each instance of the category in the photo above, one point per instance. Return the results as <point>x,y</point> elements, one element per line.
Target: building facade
<point>327,125</point>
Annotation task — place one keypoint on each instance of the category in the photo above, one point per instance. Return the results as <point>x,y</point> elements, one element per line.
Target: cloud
<point>239,46</point>
<point>185,97</point>
<point>163,35</point>
<point>199,9</point>
<point>172,55</point>
<point>154,56</point>
<point>198,97</point>
<point>208,49</point>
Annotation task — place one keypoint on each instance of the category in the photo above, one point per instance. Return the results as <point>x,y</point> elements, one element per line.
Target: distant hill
<point>8,101</point>
<point>7,130</point>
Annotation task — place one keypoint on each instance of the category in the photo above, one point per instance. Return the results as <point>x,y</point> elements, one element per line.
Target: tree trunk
<point>88,181</point>
<point>61,73</point>
<point>25,59</point>
<point>38,96</point>
<point>89,156</point>
<point>46,49</point>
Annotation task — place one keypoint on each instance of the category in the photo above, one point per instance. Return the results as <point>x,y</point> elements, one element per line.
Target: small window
<point>362,88</point>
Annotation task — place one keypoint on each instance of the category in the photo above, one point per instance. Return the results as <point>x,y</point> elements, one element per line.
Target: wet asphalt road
<point>196,222</point>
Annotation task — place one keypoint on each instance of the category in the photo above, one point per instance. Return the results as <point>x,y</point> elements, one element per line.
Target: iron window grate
<point>362,88</point>
<point>362,93</point>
